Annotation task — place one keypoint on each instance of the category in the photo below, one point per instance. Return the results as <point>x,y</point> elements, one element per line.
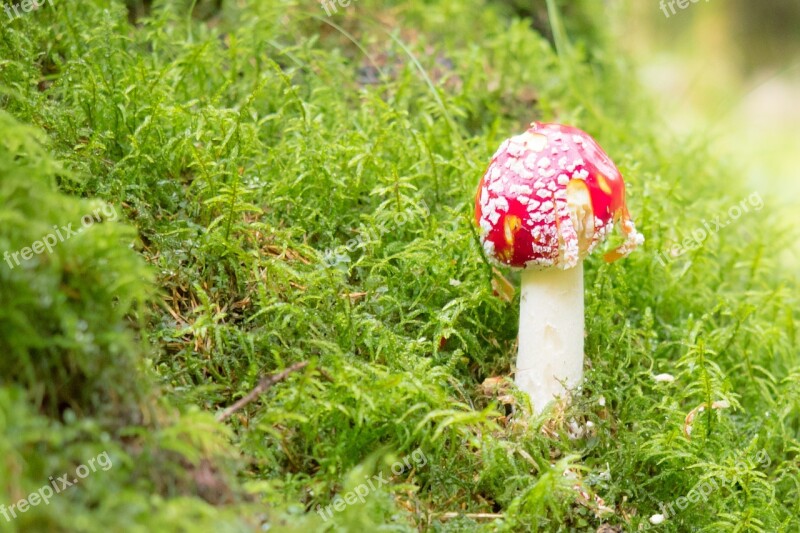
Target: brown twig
<point>474,516</point>
<point>263,385</point>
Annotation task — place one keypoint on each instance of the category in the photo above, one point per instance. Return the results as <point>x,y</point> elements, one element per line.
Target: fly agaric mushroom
<point>550,196</point>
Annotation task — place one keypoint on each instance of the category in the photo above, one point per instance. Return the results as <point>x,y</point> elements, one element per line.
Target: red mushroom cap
<point>549,197</point>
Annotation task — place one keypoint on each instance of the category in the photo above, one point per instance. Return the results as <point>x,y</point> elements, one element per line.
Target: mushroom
<point>549,197</point>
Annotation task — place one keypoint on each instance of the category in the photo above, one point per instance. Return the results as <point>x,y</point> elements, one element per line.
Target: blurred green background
<point>729,68</point>
<point>725,72</point>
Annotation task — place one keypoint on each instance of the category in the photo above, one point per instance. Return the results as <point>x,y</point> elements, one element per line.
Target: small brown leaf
<point>502,287</point>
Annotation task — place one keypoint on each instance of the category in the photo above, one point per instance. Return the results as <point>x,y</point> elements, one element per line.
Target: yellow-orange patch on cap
<point>602,182</point>
<point>511,226</point>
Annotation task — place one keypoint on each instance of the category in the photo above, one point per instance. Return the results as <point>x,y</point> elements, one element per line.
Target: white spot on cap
<point>530,161</point>
<point>515,149</point>
<point>500,151</point>
<point>520,188</point>
<point>581,174</point>
<point>518,166</point>
<point>501,203</point>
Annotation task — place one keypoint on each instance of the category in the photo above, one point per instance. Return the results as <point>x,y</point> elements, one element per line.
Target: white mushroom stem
<point>551,327</point>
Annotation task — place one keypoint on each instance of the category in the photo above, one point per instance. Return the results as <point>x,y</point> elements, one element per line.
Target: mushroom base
<point>551,331</point>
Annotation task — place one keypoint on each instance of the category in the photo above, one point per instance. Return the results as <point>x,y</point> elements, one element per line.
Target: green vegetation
<point>291,188</point>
